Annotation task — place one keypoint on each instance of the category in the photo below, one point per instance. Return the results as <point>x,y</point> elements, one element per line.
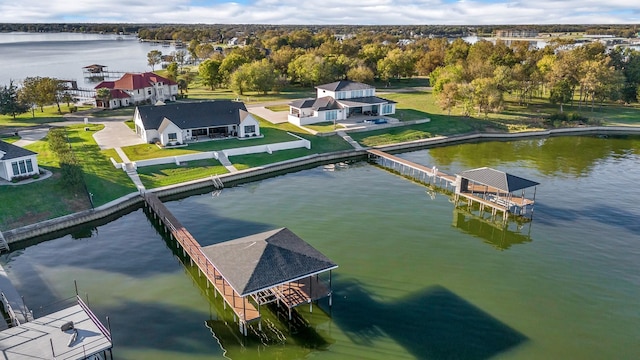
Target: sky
<point>301,12</point>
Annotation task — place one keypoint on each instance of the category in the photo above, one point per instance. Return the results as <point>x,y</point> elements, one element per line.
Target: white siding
<point>248,121</point>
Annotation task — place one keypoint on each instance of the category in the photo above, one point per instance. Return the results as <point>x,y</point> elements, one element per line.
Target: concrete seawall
<point>134,199</point>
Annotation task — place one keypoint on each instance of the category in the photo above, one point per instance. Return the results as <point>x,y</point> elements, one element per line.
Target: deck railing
<point>95,319</point>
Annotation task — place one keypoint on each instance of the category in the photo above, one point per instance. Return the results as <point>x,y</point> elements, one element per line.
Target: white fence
<point>268,148</point>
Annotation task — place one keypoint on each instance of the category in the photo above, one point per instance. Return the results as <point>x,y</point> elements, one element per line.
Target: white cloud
<point>325,12</point>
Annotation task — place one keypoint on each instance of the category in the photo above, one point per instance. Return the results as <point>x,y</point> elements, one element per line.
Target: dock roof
<point>261,261</point>
<point>38,338</point>
<point>498,179</point>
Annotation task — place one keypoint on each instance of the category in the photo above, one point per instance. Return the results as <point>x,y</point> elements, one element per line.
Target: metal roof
<point>193,115</point>
<point>497,179</point>
<point>261,261</point>
<point>13,152</point>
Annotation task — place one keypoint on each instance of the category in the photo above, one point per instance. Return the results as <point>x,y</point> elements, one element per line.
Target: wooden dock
<point>412,170</point>
<point>243,309</point>
<point>473,185</point>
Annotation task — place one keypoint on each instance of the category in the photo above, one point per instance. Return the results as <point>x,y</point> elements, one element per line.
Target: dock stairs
<point>4,246</point>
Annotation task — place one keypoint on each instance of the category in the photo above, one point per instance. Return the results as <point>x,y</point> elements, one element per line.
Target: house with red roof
<point>137,88</point>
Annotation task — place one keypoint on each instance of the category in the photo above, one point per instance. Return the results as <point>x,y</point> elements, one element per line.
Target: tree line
<point>34,93</point>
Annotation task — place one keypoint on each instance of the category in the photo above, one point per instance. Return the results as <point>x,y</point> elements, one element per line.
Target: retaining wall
<point>134,199</point>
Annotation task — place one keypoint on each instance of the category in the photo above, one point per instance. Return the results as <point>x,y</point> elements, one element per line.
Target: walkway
<point>18,308</point>
<point>224,160</point>
<point>274,117</point>
<point>116,134</point>
<point>348,139</point>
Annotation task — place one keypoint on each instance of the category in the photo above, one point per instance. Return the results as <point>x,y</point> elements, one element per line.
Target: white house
<point>177,123</point>
<point>138,88</point>
<point>338,101</point>
<point>17,162</point>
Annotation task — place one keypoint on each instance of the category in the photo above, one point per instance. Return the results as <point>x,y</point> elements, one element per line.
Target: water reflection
<point>433,323</point>
<point>500,235</point>
<point>555,156</point>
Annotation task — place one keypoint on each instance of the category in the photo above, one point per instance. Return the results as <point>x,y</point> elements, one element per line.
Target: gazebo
<point>496,189</point>
<point>271,266</point>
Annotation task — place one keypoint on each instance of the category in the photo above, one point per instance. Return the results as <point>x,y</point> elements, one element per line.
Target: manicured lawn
<point>169,174</point>
<point>242,162</point>
<point>199,92</point>
<point>50,114</point>
<point>111,153</point>
<point>125,111</point>
<point>283,107</point>
<point>104,181</point>
<point>130,124</point>
<point>326,126</point>
<point>150,151</point>
<point>10,139</point>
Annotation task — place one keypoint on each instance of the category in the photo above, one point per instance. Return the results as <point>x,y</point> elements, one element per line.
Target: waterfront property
<point>178,123</point>
<point>137,88</point>
<point>338,101</point>
<point>249,272</point>
<point>16,162</point>
<point>74,333</point>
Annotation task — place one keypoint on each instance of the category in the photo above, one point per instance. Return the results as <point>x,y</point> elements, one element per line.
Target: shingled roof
<point>344,85</point>
<point>9,151</point>
<point>194,115</point>
<point>319,104</point>
<point>497,179</point>
<point>261,261</point>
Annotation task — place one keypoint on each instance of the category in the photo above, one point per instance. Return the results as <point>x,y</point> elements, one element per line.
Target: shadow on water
<point>500,235</point>
<point>622,218</point>
<point>434,323</point>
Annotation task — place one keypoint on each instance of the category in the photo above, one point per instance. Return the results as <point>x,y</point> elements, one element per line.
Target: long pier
<point>242,308</point>
<point>412,170</point>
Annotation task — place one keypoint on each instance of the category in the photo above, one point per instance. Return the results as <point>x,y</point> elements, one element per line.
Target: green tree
<point>154,57</point>
<point>10,103</point>
<point>172,71</point>
<point>561,93</point>
<point>231,63</point>
<point>210,73</point>
<point>104,95</point>
<point>360,73</point>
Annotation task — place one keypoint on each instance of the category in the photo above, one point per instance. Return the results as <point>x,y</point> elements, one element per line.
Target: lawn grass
<point>270,134</point>
<point>131,124</point>
<point>326,126</point>
<point>50,114</point>
<point>103,180</point>
<point>111,153</point>
<point>9,138</point>
<point>169,174</point>
<point>123,111</point>
<point>281,107</point>
<point>197,91</point>
<point>242,162</point>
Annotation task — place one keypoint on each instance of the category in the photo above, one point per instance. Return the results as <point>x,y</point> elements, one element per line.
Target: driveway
<point>30,136</point>
<point>274,117</point>
<point>116,134</point>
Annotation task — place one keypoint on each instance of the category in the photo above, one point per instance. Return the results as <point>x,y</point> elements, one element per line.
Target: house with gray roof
<point>338,101</point>
<point>16,162</point>
<point>181,122</point>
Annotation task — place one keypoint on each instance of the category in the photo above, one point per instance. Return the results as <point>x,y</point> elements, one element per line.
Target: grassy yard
<point>130,124</point>
<point>51,197</point>
<point>326,126</point>
<point>242,162</point>
<point>124,111</point>
<point>103,180</point>
<point>9,138</point>
<point>169,174</point>
<point>50,114</point>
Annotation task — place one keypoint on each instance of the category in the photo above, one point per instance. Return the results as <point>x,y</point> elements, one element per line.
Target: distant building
<point>516,33</point>
<point>137,88</point>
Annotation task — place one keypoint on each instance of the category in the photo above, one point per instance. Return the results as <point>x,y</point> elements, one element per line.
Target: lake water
<point>62,55</point>
<point>417,277</point>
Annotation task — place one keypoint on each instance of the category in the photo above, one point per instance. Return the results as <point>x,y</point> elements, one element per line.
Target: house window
<point>149,92</point>
<point>173,137</point>
<point>249,129</point>
<point>387,109</point>
<point>21,167</point>
<point>331,115</point>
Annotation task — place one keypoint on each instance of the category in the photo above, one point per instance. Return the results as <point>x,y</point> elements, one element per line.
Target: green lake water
<point>417,277</point>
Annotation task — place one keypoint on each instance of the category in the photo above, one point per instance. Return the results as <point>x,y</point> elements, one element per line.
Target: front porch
<point>211,133</point>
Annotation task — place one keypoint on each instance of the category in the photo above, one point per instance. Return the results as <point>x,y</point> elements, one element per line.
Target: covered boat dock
<point>497,190</point>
